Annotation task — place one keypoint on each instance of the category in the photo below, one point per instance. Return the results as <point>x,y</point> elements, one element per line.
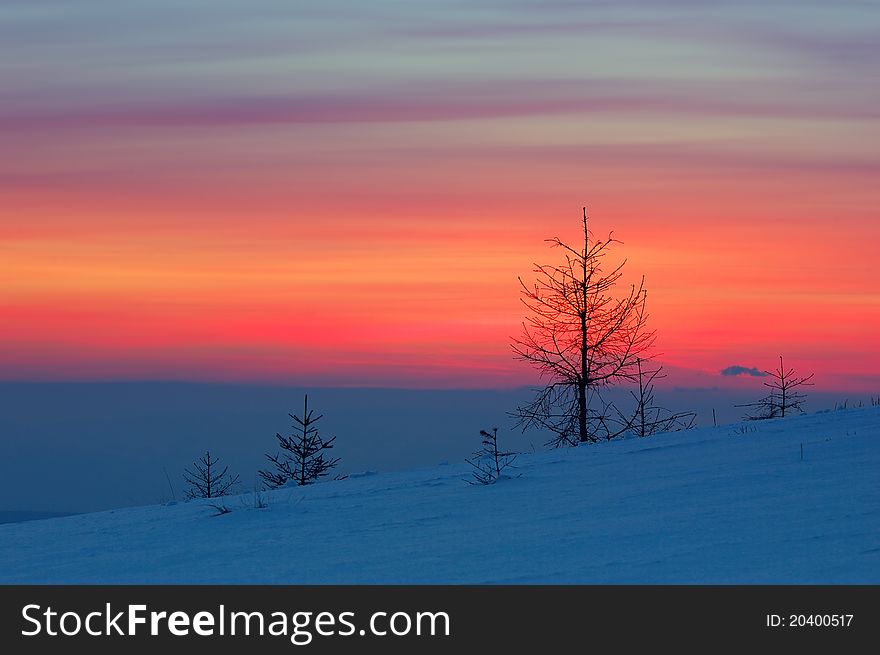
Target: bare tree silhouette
<point>206,480</point>
<point>784,394</point>
<point>648,417</point>
<point>581,339</point>
<point>303,459</point>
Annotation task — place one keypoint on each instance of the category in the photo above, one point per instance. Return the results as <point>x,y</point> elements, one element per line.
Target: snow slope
<point>713,505</point>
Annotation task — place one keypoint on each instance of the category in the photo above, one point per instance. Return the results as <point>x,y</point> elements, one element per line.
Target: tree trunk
<point>782,385</point>
<point>642,429</point>
<point>584,376</point>
<point>582,411</point>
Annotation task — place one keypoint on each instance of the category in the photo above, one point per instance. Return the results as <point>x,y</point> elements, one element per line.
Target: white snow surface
<point>711,505</point>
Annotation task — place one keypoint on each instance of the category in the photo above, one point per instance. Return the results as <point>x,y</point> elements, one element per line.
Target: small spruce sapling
<point>784,397</point>
<point>207,480</point>
<point>488,462</point>
<point>303,458</point>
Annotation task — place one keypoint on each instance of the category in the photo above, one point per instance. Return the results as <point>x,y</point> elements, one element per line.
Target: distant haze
<point>77,447</point>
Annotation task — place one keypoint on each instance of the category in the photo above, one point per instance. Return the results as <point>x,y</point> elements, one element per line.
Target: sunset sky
<point>344,192</point>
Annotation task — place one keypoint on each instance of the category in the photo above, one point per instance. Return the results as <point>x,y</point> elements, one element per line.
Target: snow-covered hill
<point>733,504</point>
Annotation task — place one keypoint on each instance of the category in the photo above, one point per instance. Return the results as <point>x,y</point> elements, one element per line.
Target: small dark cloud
<point>743,370</point>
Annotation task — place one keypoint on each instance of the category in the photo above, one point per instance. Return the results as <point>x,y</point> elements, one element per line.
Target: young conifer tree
<point>207,480</point>
<point>304,457</point>
<point>785,396</point>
